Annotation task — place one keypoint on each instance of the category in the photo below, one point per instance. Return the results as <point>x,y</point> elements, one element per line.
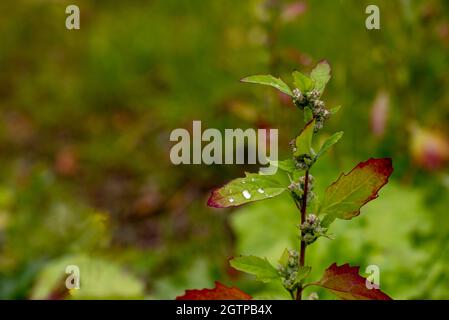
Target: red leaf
<point>220,292</point>
<point>346,283</point>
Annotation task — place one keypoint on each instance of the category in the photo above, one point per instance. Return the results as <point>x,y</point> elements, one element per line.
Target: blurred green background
<point>86,178</point>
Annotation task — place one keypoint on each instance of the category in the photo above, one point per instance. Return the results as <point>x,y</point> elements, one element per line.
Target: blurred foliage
<point>86,116</point>
<point>98,280</point>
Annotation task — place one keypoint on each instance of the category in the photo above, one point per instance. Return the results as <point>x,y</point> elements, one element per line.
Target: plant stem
<point>291,294</point>
<point>302,254</point>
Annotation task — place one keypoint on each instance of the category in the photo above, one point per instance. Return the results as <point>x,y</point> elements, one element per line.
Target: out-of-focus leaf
<point>99,279</point>
<point>283,260</point>
<point>220,292</point>
<point>334,110</point>
<point>344,198</point>
<point>196,274</point>
<point>260,267</point>
<point>302,82</point>
<point>346,283</point>
<point>321,75</point>
<point>330,142</point>
<point>239,191</point>
<point>269,80</point>
<point>303,142</point>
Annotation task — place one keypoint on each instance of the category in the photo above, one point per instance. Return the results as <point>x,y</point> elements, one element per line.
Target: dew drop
<point>246,194</point>
<point>260,190</point>
<point>231,200</point>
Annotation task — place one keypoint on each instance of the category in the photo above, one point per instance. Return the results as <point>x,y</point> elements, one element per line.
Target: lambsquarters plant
<point>342,200</point>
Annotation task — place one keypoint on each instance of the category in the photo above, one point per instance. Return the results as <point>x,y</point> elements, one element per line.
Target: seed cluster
<point>312,100</point>
<point>297,188</point>
<point>289,271</point>
<point>311,229</point>
<point>304,161</point>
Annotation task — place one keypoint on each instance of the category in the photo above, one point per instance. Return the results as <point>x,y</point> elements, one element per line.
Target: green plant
<point>342,199</point>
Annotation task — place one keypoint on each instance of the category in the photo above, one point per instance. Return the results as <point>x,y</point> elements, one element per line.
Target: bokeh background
<point>85,118</point>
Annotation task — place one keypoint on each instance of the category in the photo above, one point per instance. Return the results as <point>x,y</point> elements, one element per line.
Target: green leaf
<point>283,260</point>
<point>304,140</point>
<point>259,267</point>
<point>344,198</point>
<point>303,273</point>
<point>329,143</point>
<point>302,82</point>
<point>308,114</point>
<point>297,174</point>
<point>321,75</point>
<point>334,110</point>
<point>287,165</point>
<point>251,188</point>
<point>269,80</point>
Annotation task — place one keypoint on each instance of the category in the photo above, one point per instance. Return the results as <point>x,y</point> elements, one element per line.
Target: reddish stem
<point>302,253</point>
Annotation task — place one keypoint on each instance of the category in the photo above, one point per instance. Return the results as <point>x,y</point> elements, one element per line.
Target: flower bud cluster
<point>289,271</point>
<point>311,229</point>
<point>304,161</point>
<point>312,100</point>
<point>297,188</point>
